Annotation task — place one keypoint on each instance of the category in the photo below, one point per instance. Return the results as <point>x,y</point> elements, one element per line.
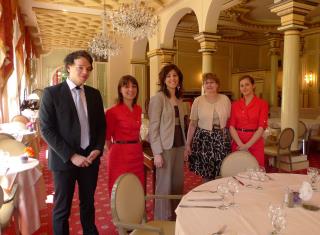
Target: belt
<point>246,130</point>
<point>126,141</point>
<point>216,127</point>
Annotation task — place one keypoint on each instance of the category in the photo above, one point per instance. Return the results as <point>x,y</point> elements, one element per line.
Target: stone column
<point>158,58</point>
<point>208,46</point>
<point>292,14</point>
<point>274,40</point>
<point>139,71</point>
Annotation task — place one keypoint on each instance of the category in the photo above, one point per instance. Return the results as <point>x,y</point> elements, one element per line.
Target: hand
<point>158,161</point>
<point>187,152</point>
<point>79,160</point>
<point>243,147</point>
<point>93,155</point>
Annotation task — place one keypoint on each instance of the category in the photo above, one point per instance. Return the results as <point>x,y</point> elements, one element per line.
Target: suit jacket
<point>60,126</point>
<point>162,122</point>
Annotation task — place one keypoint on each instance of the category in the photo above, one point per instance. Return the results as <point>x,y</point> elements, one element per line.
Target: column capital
<point>207,41</point>
<point>166,55</point>
<point>274,42</point>
<point>139,61</point>
<point>292,13</point>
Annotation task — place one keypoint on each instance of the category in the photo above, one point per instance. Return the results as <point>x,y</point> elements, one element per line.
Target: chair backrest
<point>4,136</point>
<point>237,162</point>
<point>20,118</point>
<point>286,138</point>
<point>127,200</point>
<point>14,147</point>
<point>302,130</point>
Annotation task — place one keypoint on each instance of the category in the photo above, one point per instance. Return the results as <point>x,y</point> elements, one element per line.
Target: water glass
<point>277,216</point>
<point>313,175</point>
<point>250,174</point>
<point>233,189</point>
<point>223,192</point>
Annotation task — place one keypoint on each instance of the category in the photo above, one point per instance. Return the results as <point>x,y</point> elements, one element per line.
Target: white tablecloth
<point>251,216</point>
<point>31,191</point>
<point>312,124</point>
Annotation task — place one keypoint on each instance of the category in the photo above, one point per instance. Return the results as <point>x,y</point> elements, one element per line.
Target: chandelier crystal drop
<point>135,20</point>
<point>104,44</point>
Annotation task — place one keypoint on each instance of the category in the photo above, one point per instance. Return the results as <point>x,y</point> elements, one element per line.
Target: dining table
<point>200,212</point>
<point>31,192</point>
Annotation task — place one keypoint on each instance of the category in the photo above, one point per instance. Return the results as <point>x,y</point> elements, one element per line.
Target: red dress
<point>124,125</point>
<point>250,117</point>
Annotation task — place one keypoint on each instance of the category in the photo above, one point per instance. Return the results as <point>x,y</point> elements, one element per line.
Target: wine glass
<point>277,216</point>
<point>223,192</point>
<point>250,173</point>
<point>313,175</point>
<point>233,189</point>
<point>261,175</point>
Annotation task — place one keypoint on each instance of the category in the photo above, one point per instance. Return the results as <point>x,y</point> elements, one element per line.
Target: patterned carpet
<point>102,202</point>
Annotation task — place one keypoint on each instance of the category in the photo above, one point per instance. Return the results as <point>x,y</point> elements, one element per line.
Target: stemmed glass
<point>278,220</point>
<point>261,175</point>
<point>223,192</point>
<point>313,175</point>
<point>233,189</point>
<point>250,173</point>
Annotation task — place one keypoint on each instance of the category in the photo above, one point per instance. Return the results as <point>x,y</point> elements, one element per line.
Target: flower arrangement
<point>29,151</point>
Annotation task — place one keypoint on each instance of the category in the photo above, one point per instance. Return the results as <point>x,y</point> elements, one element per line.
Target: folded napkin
<point>305,191</point>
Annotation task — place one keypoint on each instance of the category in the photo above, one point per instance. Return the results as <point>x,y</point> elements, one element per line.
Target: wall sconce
<point>309,78</point>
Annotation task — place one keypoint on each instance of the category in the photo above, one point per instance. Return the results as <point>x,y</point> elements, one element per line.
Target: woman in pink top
<point>249,118</point>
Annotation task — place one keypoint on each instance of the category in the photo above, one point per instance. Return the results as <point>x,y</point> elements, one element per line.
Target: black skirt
<point>209,148</point>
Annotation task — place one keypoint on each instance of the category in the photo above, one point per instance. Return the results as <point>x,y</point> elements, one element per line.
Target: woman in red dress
<point>123,128</point>
<point>249,118</point>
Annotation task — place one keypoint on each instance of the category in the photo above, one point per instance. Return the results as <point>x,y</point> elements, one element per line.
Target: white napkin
<point>305,191</point>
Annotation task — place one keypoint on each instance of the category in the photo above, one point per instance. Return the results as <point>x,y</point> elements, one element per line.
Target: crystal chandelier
<point>104,44</point>
<point>135,20</point>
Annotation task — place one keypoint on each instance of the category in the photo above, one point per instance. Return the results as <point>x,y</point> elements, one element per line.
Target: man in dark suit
<point>72,122</point>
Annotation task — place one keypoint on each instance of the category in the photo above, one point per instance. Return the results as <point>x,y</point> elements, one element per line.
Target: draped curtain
<point>6,47</point>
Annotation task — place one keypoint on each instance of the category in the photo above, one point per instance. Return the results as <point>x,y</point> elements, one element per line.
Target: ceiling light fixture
<point>135,20</point>
<point>104,44</point>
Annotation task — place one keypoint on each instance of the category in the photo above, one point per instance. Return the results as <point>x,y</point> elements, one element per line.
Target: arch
<point>170,26</point>
<point>211,16</point>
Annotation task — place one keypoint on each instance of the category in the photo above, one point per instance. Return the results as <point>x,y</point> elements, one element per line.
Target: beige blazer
<point>162,122</point>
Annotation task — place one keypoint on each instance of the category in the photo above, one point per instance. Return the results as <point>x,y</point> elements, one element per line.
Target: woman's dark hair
<point>70,58</point>
<point>210,76</point>
<point>124,81</point>
<point>251,79</point>
<point>162,80</point>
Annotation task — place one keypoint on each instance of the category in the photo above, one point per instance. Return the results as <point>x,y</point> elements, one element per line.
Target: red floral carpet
<point>102,202</point>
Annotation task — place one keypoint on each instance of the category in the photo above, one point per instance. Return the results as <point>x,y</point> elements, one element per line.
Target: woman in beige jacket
<point>167,138</point>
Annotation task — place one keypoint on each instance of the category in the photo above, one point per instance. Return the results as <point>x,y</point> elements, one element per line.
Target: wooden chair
<point>128,208</point>
<point>14,147</point>
<point>237,162</point>
<point>8,202</point>
<point>4,136</point>
<point>20,118</point>
<point>282,148</point>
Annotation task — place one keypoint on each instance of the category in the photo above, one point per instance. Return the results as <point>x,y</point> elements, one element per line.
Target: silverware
<point>239,181</point>
<point>204,190</point>
<point>197,206</point>
<point>204,199</point>
<point>269,177</point>
<point>221,230</point>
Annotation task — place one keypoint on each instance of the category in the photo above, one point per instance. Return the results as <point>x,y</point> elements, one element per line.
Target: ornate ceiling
<point>73,23</point>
